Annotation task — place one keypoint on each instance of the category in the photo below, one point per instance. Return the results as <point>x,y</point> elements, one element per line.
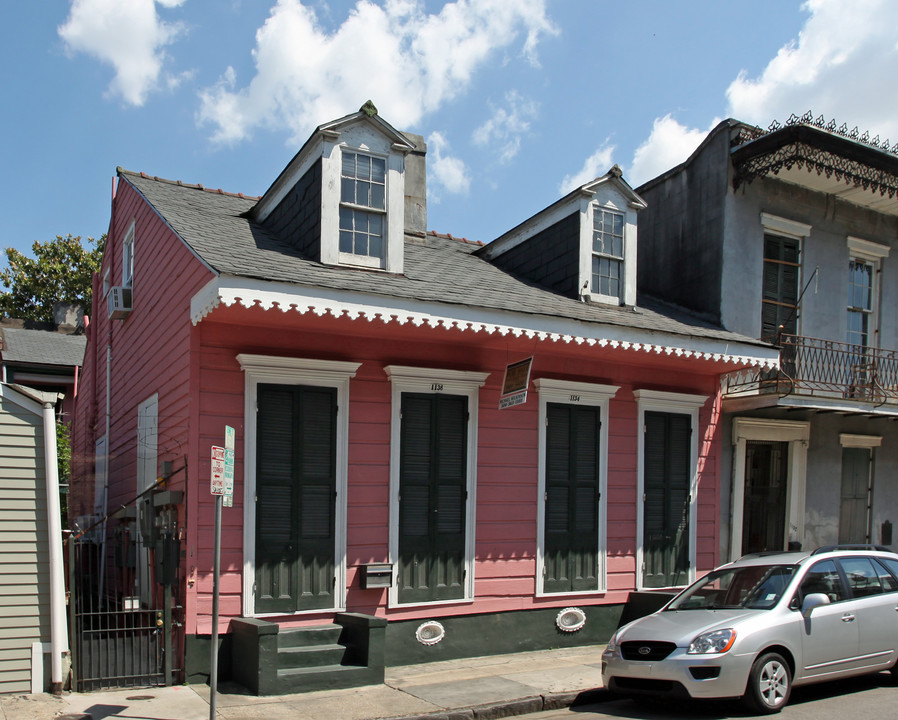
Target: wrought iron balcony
<point>824,369</point>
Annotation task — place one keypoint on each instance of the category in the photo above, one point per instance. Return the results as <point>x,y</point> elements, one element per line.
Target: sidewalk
<point>469,689</point>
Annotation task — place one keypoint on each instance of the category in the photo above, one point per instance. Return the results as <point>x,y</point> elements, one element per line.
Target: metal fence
<point>826,369</point>
<point>121,609</point>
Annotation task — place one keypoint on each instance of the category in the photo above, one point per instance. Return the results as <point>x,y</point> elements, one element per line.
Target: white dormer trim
<point>362,138</point>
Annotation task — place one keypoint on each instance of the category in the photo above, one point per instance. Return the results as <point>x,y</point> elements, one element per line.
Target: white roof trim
<point>230,290</point>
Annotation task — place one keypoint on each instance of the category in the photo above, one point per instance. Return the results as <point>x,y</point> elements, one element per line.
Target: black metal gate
<point>120,608</point>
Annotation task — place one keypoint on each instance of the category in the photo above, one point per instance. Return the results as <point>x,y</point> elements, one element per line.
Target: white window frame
<point>797,434</point>
<point>128,257</point>
<point>872,254</point>
<point>404,379</point>
<point>609,199</point>
<point>679,404</point>
<point>294,371</point>
<point>619,260</point>
<point>573,393</point>
<point>371,261</point>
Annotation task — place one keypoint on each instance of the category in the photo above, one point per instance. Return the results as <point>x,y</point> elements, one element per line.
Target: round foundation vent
<point>430,632</point>
<point>570,619</point>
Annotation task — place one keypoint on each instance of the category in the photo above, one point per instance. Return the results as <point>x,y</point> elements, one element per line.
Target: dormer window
<point>607,252</point>
<point>363,190</point>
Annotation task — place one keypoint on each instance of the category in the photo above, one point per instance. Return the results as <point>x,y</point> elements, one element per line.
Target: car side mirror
<point>812,601</point>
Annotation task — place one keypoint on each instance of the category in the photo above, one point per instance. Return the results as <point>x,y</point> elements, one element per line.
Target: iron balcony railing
<point>825,369</point>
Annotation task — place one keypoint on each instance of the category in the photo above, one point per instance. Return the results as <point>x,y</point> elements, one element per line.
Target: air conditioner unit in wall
<point>119,302</point>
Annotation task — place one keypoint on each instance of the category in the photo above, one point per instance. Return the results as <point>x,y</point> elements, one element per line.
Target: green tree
<point>60,271</point>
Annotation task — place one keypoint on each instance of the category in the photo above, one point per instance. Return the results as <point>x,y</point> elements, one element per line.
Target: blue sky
<point>519,101</point>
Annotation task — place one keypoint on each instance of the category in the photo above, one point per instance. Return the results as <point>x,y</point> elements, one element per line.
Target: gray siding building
<point>31,601</point>
<point>788,235</point>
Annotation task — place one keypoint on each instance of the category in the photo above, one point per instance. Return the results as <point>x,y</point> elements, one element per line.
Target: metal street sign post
<point>222,487</point>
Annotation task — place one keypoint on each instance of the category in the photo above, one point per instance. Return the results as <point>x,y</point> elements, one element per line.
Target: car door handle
<point>848,618</point>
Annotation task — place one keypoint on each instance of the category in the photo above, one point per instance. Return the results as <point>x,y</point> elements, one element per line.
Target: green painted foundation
<point>245,657</point>
<point>497,634</point>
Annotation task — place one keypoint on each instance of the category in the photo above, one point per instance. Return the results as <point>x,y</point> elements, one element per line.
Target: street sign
<point>218,471</point>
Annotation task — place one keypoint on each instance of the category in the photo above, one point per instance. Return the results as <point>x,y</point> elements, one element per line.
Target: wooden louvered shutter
<point>295,497</point>
<point>571,499</point>
<point>779,304</point>
<point>666,478</point>
<point>432,497</point>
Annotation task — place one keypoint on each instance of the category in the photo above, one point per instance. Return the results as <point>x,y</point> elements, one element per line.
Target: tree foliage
<point>60,271</point>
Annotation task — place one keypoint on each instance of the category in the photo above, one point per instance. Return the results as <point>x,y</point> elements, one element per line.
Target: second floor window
<point>779,303</point>
<point>860,302</point>
<point>607,252</point>
<point>362,205</point>
<point>128,258</point>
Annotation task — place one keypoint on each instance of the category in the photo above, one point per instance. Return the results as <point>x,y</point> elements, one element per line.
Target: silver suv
<point>756,627</point>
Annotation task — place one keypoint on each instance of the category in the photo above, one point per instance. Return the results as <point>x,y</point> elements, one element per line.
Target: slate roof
<point>41,347</point>
<point>438,269</point>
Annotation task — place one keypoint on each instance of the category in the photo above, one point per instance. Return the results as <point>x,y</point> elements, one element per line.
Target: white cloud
<point>408,62</point>
<point>127,34</point>
<point>596,165</point>
<point>835,68</point>
<point>446,171</point>
<point>506,126</point>
<point>667,146</point>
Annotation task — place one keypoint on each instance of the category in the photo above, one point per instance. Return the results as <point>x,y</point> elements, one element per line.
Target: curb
<point>510,708</point>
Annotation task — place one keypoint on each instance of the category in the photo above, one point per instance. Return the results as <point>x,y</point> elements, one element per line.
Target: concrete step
<point>311,656</point>
<point>327,677</point>
<point>309,636</point>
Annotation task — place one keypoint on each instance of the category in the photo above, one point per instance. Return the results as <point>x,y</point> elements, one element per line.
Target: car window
<point>862,576</point>
<point>888,579</point>
<point>823,577</point>
<point>752,586</point>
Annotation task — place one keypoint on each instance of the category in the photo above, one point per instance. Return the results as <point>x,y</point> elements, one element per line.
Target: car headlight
<point>718,641</point>
<point>612,643</point>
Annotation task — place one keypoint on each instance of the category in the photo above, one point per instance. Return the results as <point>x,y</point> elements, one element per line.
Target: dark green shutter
<point>296,493</point>
<point>666,482</point>
<point>572,498</point>
<point>432,497</point>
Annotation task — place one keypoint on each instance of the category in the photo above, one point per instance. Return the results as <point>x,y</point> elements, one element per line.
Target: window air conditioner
<point>119,302</point>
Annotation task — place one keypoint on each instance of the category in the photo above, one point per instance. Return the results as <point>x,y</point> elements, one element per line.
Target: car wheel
<point>769,684</point>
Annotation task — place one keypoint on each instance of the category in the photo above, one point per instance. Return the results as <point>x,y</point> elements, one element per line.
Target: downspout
<point>59,641</point>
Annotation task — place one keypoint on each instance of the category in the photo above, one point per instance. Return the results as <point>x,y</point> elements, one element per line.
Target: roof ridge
<point>180,183</point>
<point>450,236</point>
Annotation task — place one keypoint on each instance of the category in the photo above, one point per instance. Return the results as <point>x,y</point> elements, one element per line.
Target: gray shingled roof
<point>437,269</point>
<point>41,347</point>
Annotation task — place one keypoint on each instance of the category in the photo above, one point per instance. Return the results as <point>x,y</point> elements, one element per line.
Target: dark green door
<point>572,498</point>
<point>855,502</point>
<point>666,463</point>
<point>295,498</point>
<point>764,507</point>
<point>432,497</point>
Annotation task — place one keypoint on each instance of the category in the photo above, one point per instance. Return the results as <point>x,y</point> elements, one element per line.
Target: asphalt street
<point>873,696</point>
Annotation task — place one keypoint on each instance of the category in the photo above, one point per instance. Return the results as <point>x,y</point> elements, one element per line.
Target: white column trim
<point>573,393</point>
<point>441,382</point>
<point>675,403</point>
<point>293,371</point>
<point>797,434</point>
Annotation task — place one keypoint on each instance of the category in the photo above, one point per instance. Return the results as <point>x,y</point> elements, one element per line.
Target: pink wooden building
<point>388,500</point>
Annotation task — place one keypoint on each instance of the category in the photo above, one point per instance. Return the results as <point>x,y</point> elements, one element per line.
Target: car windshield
<point>748,586</point>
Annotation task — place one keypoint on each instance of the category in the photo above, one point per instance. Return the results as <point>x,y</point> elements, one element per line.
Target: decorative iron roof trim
<point>276,296</point>
<point>819,146</point>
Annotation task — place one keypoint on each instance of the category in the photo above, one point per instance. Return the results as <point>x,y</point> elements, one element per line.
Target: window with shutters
<point>295,477</point>
<point>572,478</point>
<point>668,451</point>
<point>779,303</point>
<point>432,484</point>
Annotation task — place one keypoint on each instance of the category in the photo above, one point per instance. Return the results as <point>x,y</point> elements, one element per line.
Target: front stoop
<point>272,660</point>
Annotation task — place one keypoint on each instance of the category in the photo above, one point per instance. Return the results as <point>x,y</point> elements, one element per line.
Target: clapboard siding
<point>24,545</point>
